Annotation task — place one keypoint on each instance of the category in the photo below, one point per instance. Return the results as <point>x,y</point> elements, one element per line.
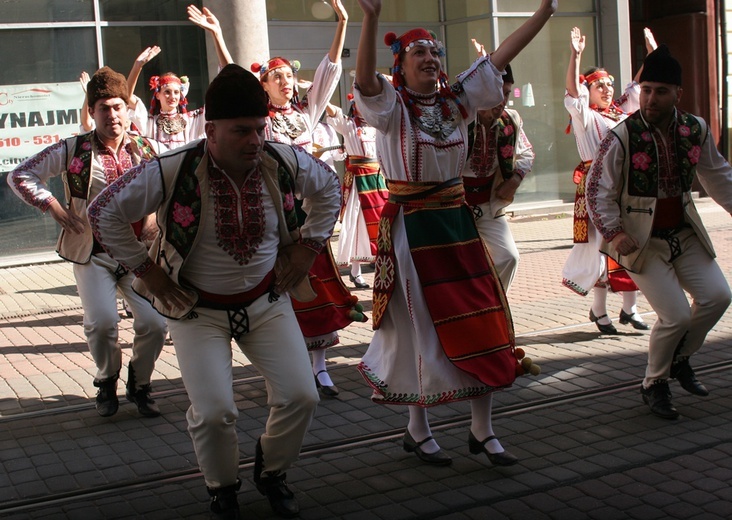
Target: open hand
<point>148,54</point>
<point>577,40</point>
<point>204,19</point>
<point>651,44</point>
<point>84,80</point>
<point>479,48</point>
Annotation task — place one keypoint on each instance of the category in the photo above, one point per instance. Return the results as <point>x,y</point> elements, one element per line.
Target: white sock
<point>419,429</point>
<point>481,425</point>
<point>630,299</point>
<point>319,367</point>
<point>356,269</point>
<point>599,305</point>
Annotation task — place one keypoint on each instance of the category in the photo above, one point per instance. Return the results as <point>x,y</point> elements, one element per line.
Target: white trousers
<point>98,286</point>
<point>497,235</point>
<point>663,282</point>
<point>275,346</point>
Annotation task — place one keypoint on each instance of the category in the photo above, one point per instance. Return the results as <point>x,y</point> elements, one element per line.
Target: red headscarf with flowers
<point>157,83</point>
<point>405,43</point>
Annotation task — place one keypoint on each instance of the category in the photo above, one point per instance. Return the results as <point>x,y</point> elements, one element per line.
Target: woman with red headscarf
<point>293,120</point>
<point>593,111</point>
<point>168,121</point>
<point>443,328</point>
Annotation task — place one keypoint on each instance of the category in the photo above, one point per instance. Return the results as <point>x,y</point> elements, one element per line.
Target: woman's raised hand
<point>340,10</point>
<point>204,19</point>
<point>372,7</point>
<point>479,47</point>
<point>148,54</point>
<point>577,41</point>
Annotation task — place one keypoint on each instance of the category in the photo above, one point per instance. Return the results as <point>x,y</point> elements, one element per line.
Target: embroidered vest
<point>79,168</point>
<point>505,144</point>
<point>643,153</point>
<point>184,210</point>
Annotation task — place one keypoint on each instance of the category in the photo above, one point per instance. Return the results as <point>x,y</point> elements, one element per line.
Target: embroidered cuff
<point>312,244</point>
<point>521,173</point>
<point>43,206</point>
<point>143,268</point>
<point>611,234</point>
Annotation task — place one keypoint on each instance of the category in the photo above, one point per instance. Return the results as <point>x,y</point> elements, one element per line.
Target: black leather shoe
<point>503,458</point>
<point>224,503</point>
<point>145,404</point>
<point>658,398</point>
<point>107,402</point>
<point>411,446</point>
<point>328,391</point>
<point>684,374</point>
<point>605,329</point>
<point>274,487</point>
<point>141,397</point>
<point>358,282</point>
<point>626,318</point>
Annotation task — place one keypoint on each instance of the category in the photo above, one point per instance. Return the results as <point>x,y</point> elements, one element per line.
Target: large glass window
<point>42,55</point>
<point>540,73</point>
<point>40,11</point>
<point>183,52</point>
<point>144,10</point>
<point>529,6</point>
<point>314,10</point>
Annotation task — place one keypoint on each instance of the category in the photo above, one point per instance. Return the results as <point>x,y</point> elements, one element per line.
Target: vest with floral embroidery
<point>184,209</point>
<point>79,167</point>
<point>505,144</point>
<point>643,153</point>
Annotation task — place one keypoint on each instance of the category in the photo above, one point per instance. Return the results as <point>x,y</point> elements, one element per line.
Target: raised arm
<point>144,57</point>
<point>206,20</point>
<point>336,48</point>
<point>366,79</point>
<point>650,47</point>
<point>576,47</point>
<point>520,38</point>
<point>87,123</point>
<point>479,47</point>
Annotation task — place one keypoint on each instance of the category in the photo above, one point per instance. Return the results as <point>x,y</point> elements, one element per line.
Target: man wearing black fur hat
<point>87,164</point>
<point>229,253</point>
<point>639,198</point>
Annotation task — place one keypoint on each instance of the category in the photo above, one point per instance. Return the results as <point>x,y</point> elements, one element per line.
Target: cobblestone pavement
<point>588,447</point>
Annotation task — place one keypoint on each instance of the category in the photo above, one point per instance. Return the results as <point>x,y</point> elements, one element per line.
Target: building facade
<point>53,41</point>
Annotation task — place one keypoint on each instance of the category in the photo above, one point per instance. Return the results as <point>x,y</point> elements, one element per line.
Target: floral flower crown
<point>158,82</point>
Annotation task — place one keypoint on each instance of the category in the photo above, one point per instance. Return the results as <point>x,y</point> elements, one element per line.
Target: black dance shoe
<point>658,398</point>
<point>140,397</point>
<point>358,282</point>
<point>328,391</point>
<point>626,318</point>
<point>605,329</point>
<point>274,487</point>
<point>224,504</point>
<point>411,446</point>
<point>684,374</point>
<point>503,458</point>
<point>106,401</point>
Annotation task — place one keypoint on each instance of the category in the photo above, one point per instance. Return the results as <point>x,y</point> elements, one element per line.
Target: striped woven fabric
<point>333,308</point>
<point>461,287</point>
<point>372,193</point>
